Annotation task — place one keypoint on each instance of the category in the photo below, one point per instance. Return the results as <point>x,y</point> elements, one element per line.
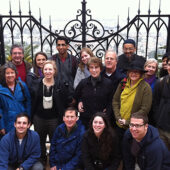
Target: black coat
<point>91,151</point>
<point>95,99</point>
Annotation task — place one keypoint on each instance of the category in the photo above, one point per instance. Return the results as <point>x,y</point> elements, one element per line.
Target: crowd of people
<point>97,116</point>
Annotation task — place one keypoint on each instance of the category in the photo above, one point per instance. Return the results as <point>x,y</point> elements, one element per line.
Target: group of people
<point>95,116</point>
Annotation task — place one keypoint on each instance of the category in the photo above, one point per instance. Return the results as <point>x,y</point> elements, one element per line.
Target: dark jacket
<point>29,150</point>
<point>65,151</point>
<point>123,61</point>
<point>161,103</point>
<point>95,99</point>
<point>91,151</point>
<point>152,155</point>
<point>13,104</point>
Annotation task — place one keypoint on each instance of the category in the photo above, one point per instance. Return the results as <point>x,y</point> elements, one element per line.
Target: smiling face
<point>48,71</point>
<point>151,69</point>
<point>62,47</point>
<point>94,70</point>
<point>40,60</point>
<point>168,67</point>
<point>138,129</point>
<point>85,57</point>
<point>110,60</point>
<point>21,125</point>
<point>17,56</point>
<point>98,125</point>
<point>134,75</point>
<point>10,76</point>
<point>129,49</point>
<point>70,119</point>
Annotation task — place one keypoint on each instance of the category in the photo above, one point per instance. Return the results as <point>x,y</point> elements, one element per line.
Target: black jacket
<point>95,99</point>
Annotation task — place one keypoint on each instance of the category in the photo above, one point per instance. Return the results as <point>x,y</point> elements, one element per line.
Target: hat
<point>137,65</point>
<point>129,41</point>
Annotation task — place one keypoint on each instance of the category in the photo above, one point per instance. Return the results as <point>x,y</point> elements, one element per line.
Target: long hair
<point>106,138</point>
<point>88,51</point>
<point>35,67</point>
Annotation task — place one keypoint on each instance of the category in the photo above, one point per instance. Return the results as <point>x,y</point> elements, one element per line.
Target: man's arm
<point>34,151</point>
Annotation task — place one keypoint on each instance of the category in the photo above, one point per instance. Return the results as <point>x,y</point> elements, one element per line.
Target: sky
<point>66,10</point>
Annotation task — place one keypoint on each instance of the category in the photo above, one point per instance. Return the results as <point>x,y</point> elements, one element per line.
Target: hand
<point>104,110</point>
<point>53,168</point>
<point>122,122</point>
<point>17,169</point>
<point>2,132</point>
<point>80,107</point>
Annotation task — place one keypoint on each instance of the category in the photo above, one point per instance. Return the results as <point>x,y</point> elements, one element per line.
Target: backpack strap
<point>22,89</point>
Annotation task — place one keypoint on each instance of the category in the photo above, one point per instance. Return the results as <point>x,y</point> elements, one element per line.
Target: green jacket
<point>142,102</point>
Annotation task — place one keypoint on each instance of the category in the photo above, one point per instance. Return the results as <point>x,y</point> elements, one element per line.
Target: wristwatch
<point>21,168</point>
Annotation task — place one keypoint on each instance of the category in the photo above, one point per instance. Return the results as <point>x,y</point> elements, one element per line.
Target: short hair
<point>168,59</point>
<point>108,51</point>
<point>53,64</point>
<point>71,109</point>
<point>151,60</point>
<point>166,55</point>
<point>95,60</point>
<point>16,46</point>
<point>62,38</point>
<point>23,114</point>
<point>142,116</point>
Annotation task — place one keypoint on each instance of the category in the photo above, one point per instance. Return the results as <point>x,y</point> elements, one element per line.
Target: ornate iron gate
<point>150,32</point>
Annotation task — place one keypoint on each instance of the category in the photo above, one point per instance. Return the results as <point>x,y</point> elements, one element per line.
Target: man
<point>66,63</point>
<point>142,145</point>
<point>110,71</point>
<point>65,150</point>
<point>161,106</point>
<point>20,148</point>
<point>129,49</point>
<point>17,54</point>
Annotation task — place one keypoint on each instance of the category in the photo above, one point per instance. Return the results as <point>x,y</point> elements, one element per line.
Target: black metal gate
<point>151,33</point>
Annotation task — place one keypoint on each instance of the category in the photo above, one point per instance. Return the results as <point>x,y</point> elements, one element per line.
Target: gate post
<point>168,37</point>
<point>2,52</point>
<point>84,23</point>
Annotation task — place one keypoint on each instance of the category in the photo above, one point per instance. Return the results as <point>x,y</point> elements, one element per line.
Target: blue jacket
<point>152,155</point>
<point>13,104</point>
<point>29,151</point>
<point>65,151</point>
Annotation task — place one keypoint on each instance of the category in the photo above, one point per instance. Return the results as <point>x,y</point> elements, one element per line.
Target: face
<point>62,47</point>
<point>48,71</point>
<point>10,76</point>
<point>98,125</point>
<point>70,119</point>
<point>138,129</point>
<point>151,68</point>
<point>40,60</point>
<point>129,49</point>
<point>134,75</point>
<point>21,125</point>
<point>168,67</point>
<point>110,60</point>
<point>85,57</point>
<point>17,56</point>
<point>164,64</point>
<point>94,70</point>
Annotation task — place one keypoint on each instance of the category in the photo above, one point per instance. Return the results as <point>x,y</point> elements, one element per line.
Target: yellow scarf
<point>127,99</point>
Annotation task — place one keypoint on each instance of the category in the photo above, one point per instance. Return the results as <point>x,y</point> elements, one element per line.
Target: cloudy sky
<point>100,9</point>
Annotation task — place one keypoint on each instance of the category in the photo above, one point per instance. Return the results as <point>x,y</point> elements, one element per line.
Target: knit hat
<point>129,41</point>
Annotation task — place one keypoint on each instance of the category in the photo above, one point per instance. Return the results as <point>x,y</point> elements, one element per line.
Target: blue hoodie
<point>153,154</point>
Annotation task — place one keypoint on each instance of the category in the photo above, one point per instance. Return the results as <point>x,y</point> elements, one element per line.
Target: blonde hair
<point>151,60</point>
<point>53,64</point>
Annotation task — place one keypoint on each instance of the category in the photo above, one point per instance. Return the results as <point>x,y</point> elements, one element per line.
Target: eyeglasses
<point>128,49</point>
<point>131,125</point>
<point>63,45</point>
<point>15,53</point>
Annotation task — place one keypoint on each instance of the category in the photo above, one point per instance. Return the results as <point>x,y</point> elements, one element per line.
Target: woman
<point>14,98</point>
<point>132,95</point>
<point>151,66</point>
<point>48,105</point>
<point>82,71</point>
<point>93,94</point>
<point>36,71</point>
<point>100,145</point>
